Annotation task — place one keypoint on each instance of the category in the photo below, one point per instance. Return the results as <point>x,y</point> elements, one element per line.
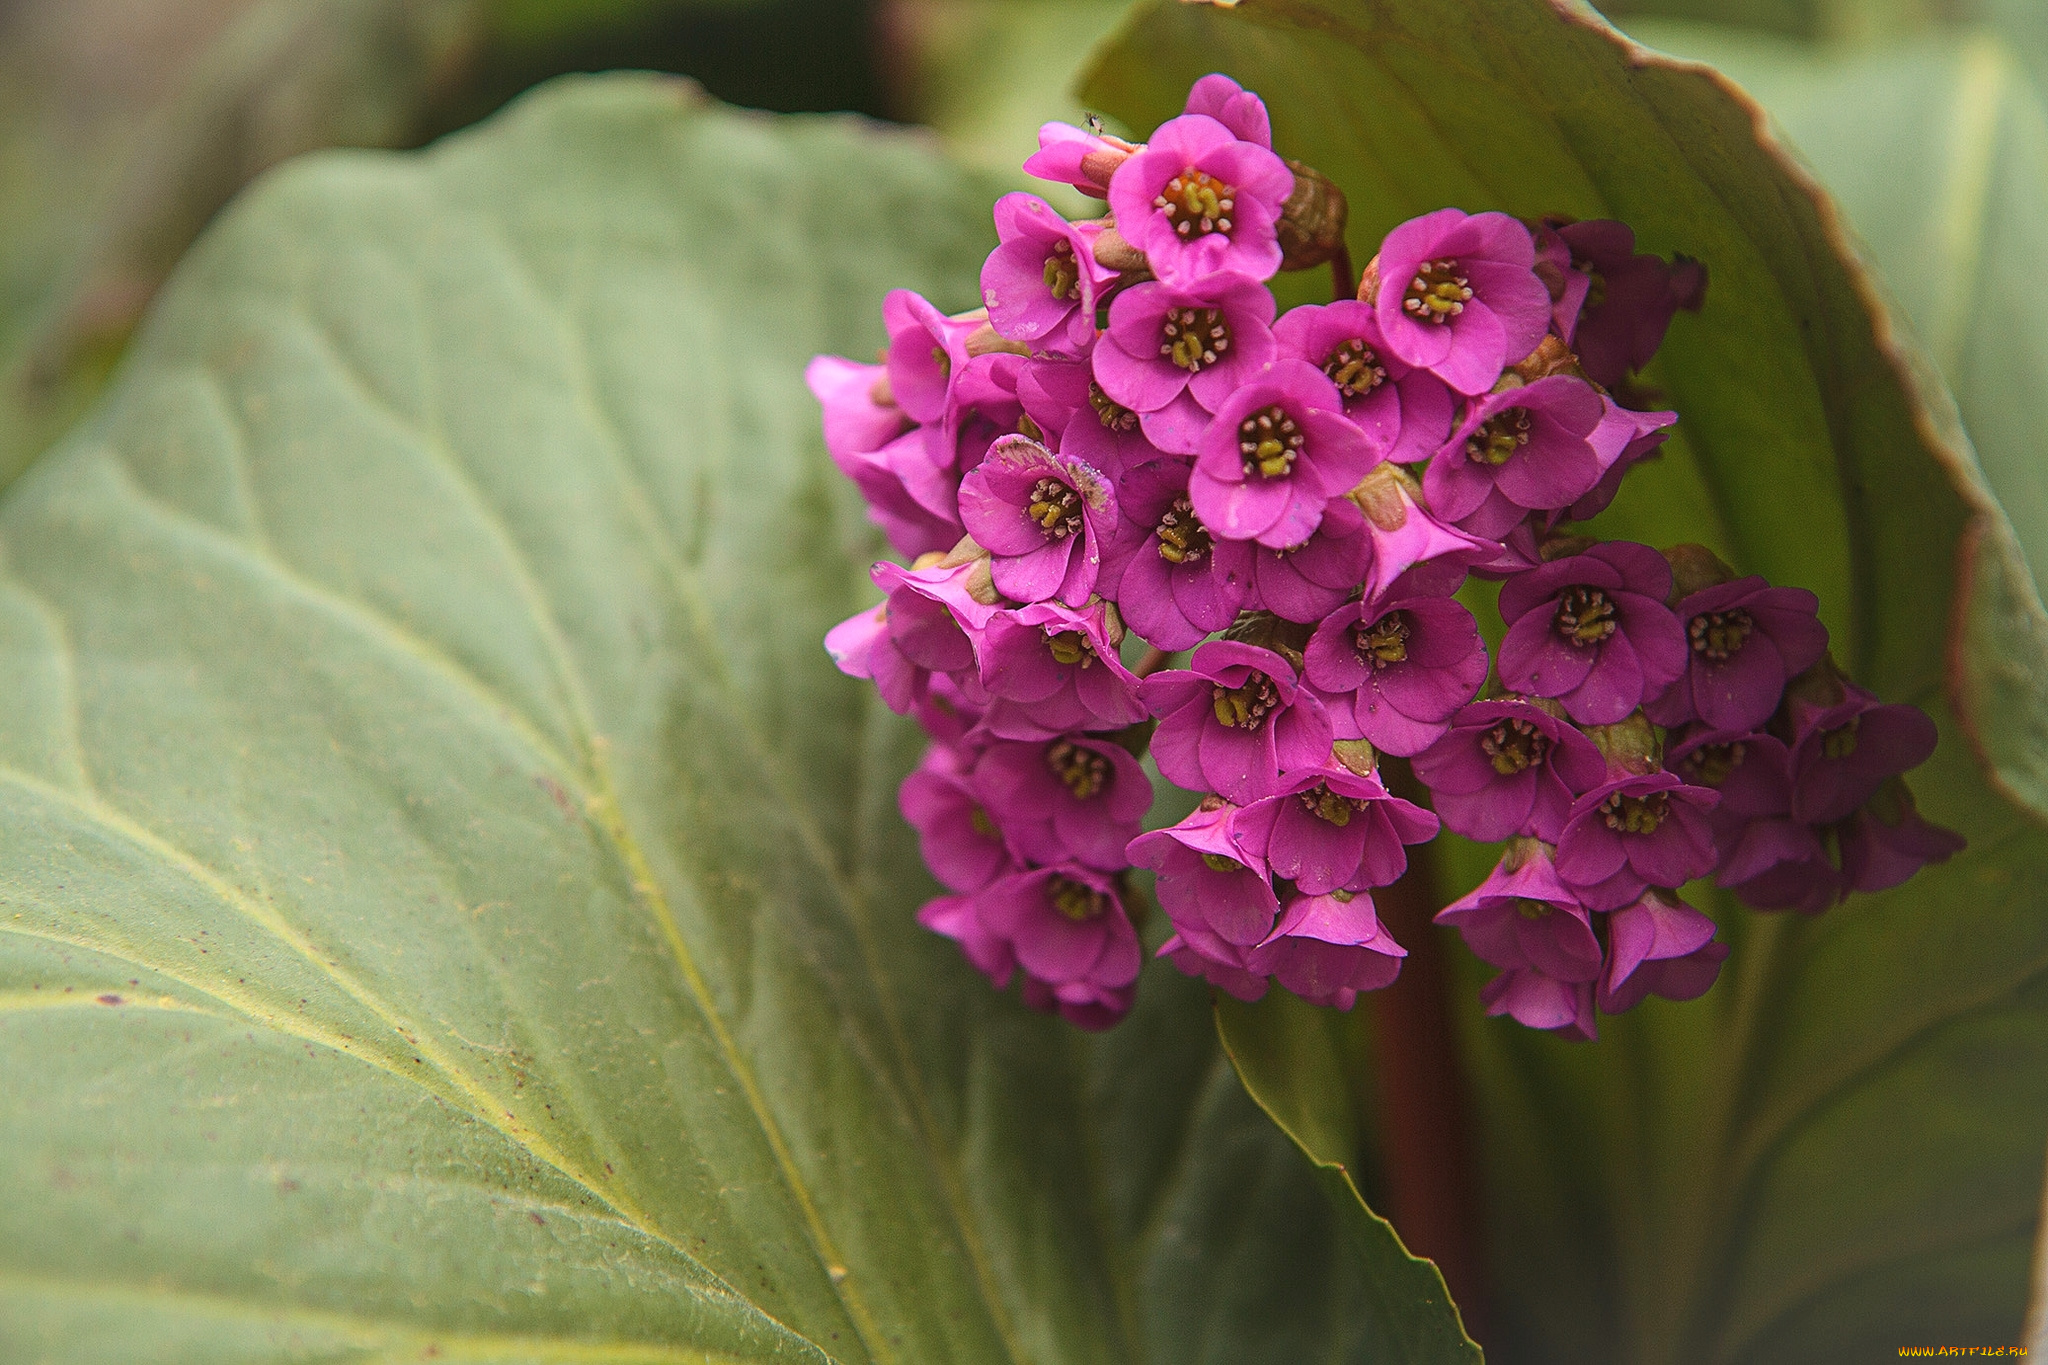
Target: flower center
<point>1113,414</point>
<point>1354,369</point>
<point>1084,772</point>
<point>1062,271</point>
<point>1218,863</point>
<point>1840,742</point>
<point>1710,764</point>
<point>1585,616</point>
<point>1328,806</point>
<point>1056,508</point>
<point>1514,746</point>
<point>1438,292</point>
<point>1197,204</point>
<point>1077,901</point>
<point>1634,814</point>
<point>1244,708</point>
<point>1269,440</point>
<point>1529,909</point>
<point>1069,647</point>
<point>942,360</point>
<point>1498,437</point>
<point>1193,337</point>
<point>1383,642</point>
<point>1717,634</point>
<point>983,826</point>
<point>1182,537</point>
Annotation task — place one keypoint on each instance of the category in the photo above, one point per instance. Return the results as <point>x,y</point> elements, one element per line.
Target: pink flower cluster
<point>1127,440</point>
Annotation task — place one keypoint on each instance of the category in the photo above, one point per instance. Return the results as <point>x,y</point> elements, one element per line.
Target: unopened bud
<point>1694,567</point>
<point>1101,163</point>
<point>1384,496</point>
<point>1369,282</point>
<point>1112,252</point>
<point>1312,220</point>
<point>1262,628</point>
<point>1112,623</point>
<point>1522,850</point>
<point>1563,545</point>
<point>985,340</point>
<point>1356,754</point>
<point>1550,357</point>
<point>1630,746</point>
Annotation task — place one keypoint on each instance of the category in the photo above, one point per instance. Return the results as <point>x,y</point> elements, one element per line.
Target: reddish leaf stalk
<point>1343,283</point>
<point>1420,1084</point>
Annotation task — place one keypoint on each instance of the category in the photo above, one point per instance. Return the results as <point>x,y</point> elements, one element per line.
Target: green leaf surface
<point>1838,1150</point>
<point>449,906</point>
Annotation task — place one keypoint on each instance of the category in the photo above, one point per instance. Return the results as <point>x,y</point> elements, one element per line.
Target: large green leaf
<point>449,906</point>
<point>1838,1150</point>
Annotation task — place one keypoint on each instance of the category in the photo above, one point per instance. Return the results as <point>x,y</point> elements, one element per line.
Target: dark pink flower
<point>1568,287</point>
<point>1623,440</point>
<point>1636,832</point>
<point>916,632</point>
<point>1041,518</point>
<point>1050,669</point>
<point>1842,753</point>
<point>1522,450</point>
<point>1396,672</point>
<point>1328,949</point>
<point>1041,283</point>
<point>990,952</point>
<point>1278,451</point>
<point>1747,639</point>
<point>913,499</point>
<point>1233,106</point>
<point>856,419</point>
<point>1305,582</point>
<point>1084,1004</point>
<point>1068,155</point>
<point>1506,768</point>
<point>980,406</point>
<point>1329,828</point>
<point>1658,945</point>
<point>1234,720</point>
<point>1173,581</point>
<point>1887,841</point>
<point>961,841</point>
<point>1780,864</point>
<point>1207,885</point>
<point>1459,296</point>
<point>1198,199</point>
<point>1072,799</point>
<point>1070,933</point>
<point>1543,1002</point>
<point>1751,771</point>
<point>1210,959</point>
<point>1174,353</point>
<point>1592,631</point>
<point>1406,535</point>
<point>926,350</point>
<point>1405,412</point>
<point>1525,920</point>
<point>1079,420</point>
<point>1632,298</point>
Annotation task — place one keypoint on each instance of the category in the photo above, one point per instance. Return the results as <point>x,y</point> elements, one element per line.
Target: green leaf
<point>1838,1150</point>
<point>449,906</point>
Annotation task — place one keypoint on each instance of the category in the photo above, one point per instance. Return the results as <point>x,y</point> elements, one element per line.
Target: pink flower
<point>1459,296</point>
<point>1069,932</point>
<point>960,840</point>
<point>1842,753</point>
<point>1079,420</point>
<point>1405,412</point>
<point>916,632</point>
<point>1633,833</point>
<point>1328,949</point>
<point>1506,768</point>
<point>1405,534</point>
<point>926,350</point>
<point>1632,298</point>
<point>1172,580</point>
<point>1233,106</point>
<point>1234,720</point>
<point>1525,920</point>
<point>1050,669</point>
<point>1041,518</point>
<point>1305,582</point>
<point>1658,945</point>
<point>913,499</point>
<point>1208,886</point>
<point>1210,959</point>
<point>1624,439</point>
<point>1198,199</point>
<point>1072,799</point>
<point>1395,673</point>
<point>990,952</point>
<point>1073,156</point>
<point>1331,829</point>
<point>1174,353</point>
<point>1747,640</point>
<point>1887,841</point>
<point>1523,450</point>
<point>1279,449</point>
<point>1592,631</point>
<point>855,419</point>
<point>1041,284</point>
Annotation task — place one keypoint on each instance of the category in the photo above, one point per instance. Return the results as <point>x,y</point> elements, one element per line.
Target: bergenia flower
<point>1404,411</point>
<point>1050,669</point>
<point>1887,841</point>
<point>961,841</point>
<point>1843,752</point>
<point>1746,640</point>
<point>1041,518</point>
<point>1631,300</point>
<point>1657,945</point>
<point>1406,534</point>
<point>955,917</point>
<point>1173,581</point>
<point>1042,282</point>
<point>1592,631</point>
<point>1206,884</point>
<point>1331,829</point>
<point>1624,439</point>
<point>1233,106</point>
<point>908,495</point>
<point>1523,450</point>
<point>981,405</point>
<point>916,632</point>
<point>1526,921</point>
<point>1278,451</point>
<point>1635,832</point>
<point>1198,199</point>
<point>1783,865</point>
<point>1506,768</point>
<point>1751,770</point>
<point>859,414</point>
<point>1076,418</point>
<point>1072,799</point>
<point>1396,672</point>
<point>1459,296</point>
<point>1069,932</point>
<point>926,350</point>
<point>1175,352</point>
<point>1208,958</point>
<point>1328,949</point>
<point>1068,155</point>
<point>1305,582</point>
<point>1234,720</point>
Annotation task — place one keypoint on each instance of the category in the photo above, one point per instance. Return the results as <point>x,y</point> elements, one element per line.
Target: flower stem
<point>1343,283</point>
<point>1421,1092</point>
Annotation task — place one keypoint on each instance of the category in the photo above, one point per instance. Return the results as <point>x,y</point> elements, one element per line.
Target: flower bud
<point>1550,357</point>
<point>1112,252</point>
<point>1312,220</point>
<point>1630,746</point>
<point>1356,754</point>
<point>1694,567</point>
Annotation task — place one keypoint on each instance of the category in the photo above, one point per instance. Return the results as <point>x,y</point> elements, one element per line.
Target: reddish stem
<point>1154,660</point>
<point>1343,283</point>
<point>1421,1093</point>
